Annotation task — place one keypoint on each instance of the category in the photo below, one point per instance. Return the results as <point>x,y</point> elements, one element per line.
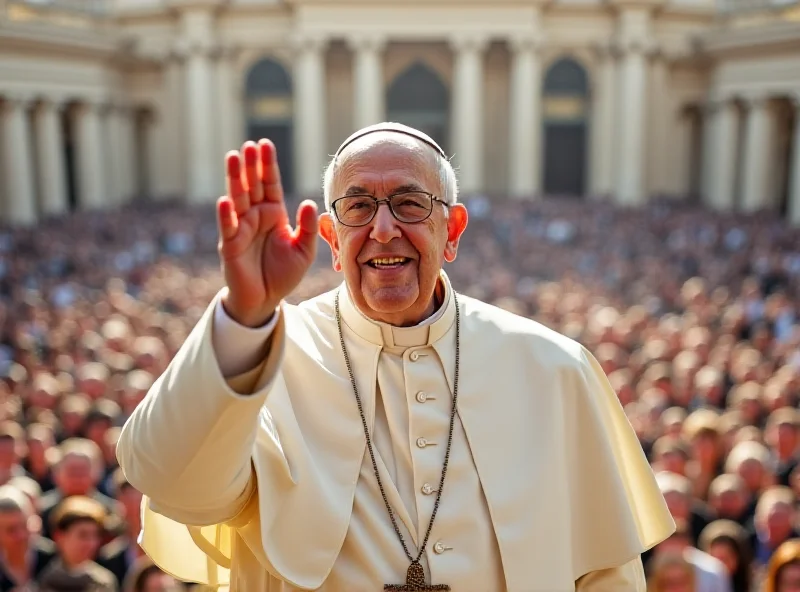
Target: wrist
<point>250,318</point>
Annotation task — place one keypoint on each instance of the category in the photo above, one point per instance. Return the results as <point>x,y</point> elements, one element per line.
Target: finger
<point>227,220</point>
<point>252,181</point>
<point>270,173</point>
<point>236,192</point>
<point>304,236</point>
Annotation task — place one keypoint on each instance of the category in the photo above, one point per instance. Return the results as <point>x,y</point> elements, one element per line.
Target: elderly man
<point>388,435</point>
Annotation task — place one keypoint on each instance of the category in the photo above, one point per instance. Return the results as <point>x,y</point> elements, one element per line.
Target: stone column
<point>368,79</point>
<point>660,123</point>
<point>468,111</point>
<point>794,171</point>
<point>230,101</point>
<point>310,121</point>
<point>50,156</point>
<point>709,111</point>
<point>129,158</point>
<point>603,129</point>
<point>171,175</point>
<point>201,148</point>
<point>19,208</point>
<point>756,155</point>
<point>722,157</point>
<point>525,117</point>
<point>630,190</point>
<point>90,171</point>
<point>112,151</point>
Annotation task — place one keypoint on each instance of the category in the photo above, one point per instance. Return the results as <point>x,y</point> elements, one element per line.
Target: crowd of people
<point>694,316</point>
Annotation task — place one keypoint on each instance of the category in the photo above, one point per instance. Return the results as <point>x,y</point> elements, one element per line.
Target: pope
<point>391,434</point>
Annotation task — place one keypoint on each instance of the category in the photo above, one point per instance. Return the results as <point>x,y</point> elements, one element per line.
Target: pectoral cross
<point>415,581</point>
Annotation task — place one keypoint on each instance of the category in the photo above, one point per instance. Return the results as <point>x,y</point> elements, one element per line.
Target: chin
<point>391,299</point>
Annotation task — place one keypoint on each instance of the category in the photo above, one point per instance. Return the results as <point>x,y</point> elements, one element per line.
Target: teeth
<point>388,260</point>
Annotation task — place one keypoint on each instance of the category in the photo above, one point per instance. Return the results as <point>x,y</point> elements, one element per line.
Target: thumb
<point>305,234</point>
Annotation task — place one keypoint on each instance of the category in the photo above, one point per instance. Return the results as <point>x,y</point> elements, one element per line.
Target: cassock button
<point>427,489</point>
<point>440,548</point>
<point>422,396</point>
<point>414,356</point>
<point>421,442</point>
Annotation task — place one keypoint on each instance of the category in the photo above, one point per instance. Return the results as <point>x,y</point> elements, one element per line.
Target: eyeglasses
<point>409,207</point>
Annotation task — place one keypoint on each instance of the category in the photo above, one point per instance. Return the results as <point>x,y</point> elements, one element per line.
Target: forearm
<point>188,445</point>
<point>625,578</point>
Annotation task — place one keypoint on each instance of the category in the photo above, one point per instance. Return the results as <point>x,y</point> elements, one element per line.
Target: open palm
<point>263,258</point>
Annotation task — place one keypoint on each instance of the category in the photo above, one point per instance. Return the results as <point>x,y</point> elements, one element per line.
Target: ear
<point>327,230</point>
<point>456,225</point>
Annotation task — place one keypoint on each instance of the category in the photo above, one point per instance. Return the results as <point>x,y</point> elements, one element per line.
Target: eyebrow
<point>357,190</point>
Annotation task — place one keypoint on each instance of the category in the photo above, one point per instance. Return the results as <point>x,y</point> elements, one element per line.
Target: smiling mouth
<point>388,262</point>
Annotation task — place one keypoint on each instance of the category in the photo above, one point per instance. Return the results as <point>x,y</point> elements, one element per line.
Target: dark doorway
<point>68,134</point>
<point>566,113</point>
<point>417,97</point>
<point>270,111</point>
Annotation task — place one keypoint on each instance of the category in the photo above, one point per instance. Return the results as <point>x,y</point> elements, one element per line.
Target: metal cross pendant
<point>415,581</point>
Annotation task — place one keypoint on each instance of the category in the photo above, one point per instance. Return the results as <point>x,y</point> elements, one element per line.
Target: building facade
<point>104,102</point>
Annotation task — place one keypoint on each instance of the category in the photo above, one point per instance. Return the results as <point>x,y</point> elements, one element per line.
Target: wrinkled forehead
<point>386,161</point>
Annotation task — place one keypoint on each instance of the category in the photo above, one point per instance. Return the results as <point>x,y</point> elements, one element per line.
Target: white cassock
<point>262,481</point>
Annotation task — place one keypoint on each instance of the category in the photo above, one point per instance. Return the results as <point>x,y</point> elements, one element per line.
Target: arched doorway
<point>566,113</point>
<point>417,97</point>
<point>269,113</point>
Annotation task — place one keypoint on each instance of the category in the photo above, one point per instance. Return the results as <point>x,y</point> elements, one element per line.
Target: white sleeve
<point>238,348</point>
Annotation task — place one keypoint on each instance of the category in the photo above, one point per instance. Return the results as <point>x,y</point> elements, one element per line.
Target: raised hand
<point>263,258</point>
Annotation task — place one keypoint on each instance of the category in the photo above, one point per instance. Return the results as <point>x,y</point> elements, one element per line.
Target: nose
<point>384,225</point>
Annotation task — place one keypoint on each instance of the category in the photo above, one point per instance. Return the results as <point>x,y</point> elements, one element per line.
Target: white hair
<point>14,500</point>
<point>448,183</point>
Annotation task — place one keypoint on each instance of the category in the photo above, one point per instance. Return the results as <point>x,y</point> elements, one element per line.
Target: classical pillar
<point>90,177</point>
<point>112,153</point>
<point>525,117</point>
<point>310,121</point>
<point>368,80</point>
<point>468,111</point>
<point>603,129</point>
<point>723,158</point>
<point>709,123</point>
<point>631,162</point>
<point>794,171</point>
<point>171,172</point>
<point>201,148</point>
<point>228,107</point>
<point>230,101</point>
<point>661,122</point>
<point>756,155</point>
<point>127,147</point>
<point>19,208</point>
<point>52,167</point>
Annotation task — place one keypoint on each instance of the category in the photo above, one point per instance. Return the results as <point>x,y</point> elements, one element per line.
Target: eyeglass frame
<point>388,201</point>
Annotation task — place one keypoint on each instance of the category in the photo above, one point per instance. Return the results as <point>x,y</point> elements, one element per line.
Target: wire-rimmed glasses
<point>409,207</point>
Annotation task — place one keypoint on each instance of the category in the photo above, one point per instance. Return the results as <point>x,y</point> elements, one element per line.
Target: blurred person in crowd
<point>684,507</point>
<point>729,498</point>
<point>701,431</point>
<point>119,555</point>
<point>783,571</point>
<point>783,437</point>
<point>728,541</point>
<point>77,471</point>
<point>72,414</point>
<point>775,522</point>
<point>38,463</point>
<point>78,525</point>
<point>395,308</point>
<point>11,438</point>
<point>23,553</point>
<point>752,461</point>
<point>145,576</point>
<point>711,575</point>
<point>671,572</point>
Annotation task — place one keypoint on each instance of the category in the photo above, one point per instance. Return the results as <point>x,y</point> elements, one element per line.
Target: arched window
<point>566,128</point>
<point>418,97</point>
<point>270,112</point>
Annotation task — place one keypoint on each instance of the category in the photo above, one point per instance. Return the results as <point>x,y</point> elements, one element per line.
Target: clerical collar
<point>426,333</point>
